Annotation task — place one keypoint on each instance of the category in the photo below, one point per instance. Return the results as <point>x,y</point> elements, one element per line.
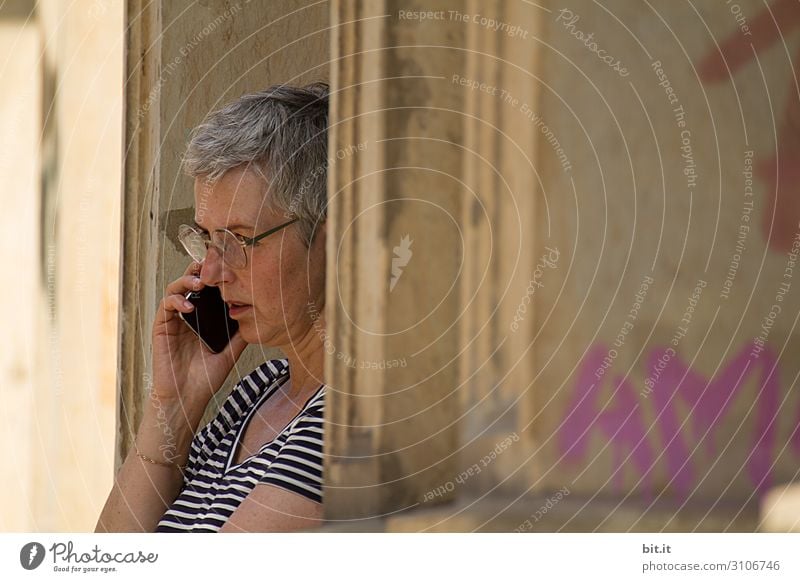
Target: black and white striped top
<point>214,487</point>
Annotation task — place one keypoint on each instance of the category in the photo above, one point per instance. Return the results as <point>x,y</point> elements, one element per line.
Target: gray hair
<point>282,132</point>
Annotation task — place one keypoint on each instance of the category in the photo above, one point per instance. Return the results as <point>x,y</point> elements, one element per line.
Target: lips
<point>236,303</point>
<point>236,310</point>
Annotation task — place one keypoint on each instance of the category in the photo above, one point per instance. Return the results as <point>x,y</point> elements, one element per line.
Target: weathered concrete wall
<point>623,198</point>
<point>394,251</point>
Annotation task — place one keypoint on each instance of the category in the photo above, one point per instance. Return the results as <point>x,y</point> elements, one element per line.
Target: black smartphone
<point>210,319</point>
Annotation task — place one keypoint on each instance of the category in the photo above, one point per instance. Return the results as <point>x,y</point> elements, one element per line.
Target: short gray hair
<point>282,131</point>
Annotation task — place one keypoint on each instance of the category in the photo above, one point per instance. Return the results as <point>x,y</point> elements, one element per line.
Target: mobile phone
<point>209,319</point>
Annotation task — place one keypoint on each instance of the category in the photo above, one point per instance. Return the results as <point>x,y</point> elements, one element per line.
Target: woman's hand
<point>184,370</point>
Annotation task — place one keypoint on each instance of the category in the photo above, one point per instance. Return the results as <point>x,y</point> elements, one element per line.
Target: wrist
<point>166,432</point>
<point>170,463</point>
<point>179,415</point>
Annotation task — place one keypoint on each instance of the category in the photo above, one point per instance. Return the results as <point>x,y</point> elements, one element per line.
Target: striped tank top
<point>214,485</point>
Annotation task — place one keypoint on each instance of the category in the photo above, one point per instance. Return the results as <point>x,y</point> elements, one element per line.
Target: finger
<point>171,305</point>
<point>183,284</point>
<point>190,281</point>
<point>193,268</point>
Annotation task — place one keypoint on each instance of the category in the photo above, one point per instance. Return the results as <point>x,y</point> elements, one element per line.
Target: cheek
<point>280,283</point>
<point>266,295</point>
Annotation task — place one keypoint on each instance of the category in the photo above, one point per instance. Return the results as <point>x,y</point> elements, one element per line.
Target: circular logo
<point>31,555</point>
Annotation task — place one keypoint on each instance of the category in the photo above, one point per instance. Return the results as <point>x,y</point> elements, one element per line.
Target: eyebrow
<point>229,227</point>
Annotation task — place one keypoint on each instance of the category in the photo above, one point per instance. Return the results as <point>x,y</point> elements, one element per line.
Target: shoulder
<point>317,400</point>
<point>311,414</point>
<point>245,395</point>
<point>306,431</point>
<point>298,464</point>
<point>264,376</point>
<point>251,388</point>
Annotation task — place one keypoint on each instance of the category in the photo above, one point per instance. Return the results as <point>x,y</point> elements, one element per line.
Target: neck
<point>306,361</point>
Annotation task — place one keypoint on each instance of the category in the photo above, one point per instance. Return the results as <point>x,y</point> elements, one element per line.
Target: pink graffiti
<point>618,419</point>
<point>781,171</point>
<point>795,438</point>
<point>679,396</point>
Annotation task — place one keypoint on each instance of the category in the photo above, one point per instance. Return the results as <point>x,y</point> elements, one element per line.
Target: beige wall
<point>21,295</point>
<point>61,175</point>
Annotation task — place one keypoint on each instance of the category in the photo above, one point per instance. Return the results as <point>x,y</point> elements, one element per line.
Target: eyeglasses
<point>230,246</point>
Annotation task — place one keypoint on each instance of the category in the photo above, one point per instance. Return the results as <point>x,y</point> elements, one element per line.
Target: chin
<point>250,333</point>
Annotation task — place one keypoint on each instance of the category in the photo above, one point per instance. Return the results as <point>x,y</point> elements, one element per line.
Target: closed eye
<point>241,237</point>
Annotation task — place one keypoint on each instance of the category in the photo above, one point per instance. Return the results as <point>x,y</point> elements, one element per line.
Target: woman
<point>259,168</point>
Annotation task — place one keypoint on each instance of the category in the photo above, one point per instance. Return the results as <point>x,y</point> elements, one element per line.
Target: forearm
<point>142,490</point>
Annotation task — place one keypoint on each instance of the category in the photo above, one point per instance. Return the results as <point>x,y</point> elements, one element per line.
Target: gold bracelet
<point>180,468</point>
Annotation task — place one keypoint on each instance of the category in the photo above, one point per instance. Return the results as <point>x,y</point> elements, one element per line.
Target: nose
<point>212,270</point>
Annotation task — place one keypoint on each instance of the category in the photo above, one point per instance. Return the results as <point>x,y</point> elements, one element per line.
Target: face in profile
<point>269,296</point>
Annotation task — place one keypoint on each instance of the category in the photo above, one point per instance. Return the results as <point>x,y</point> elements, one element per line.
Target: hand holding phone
<point>210,319</point>
<point>187,372</point>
